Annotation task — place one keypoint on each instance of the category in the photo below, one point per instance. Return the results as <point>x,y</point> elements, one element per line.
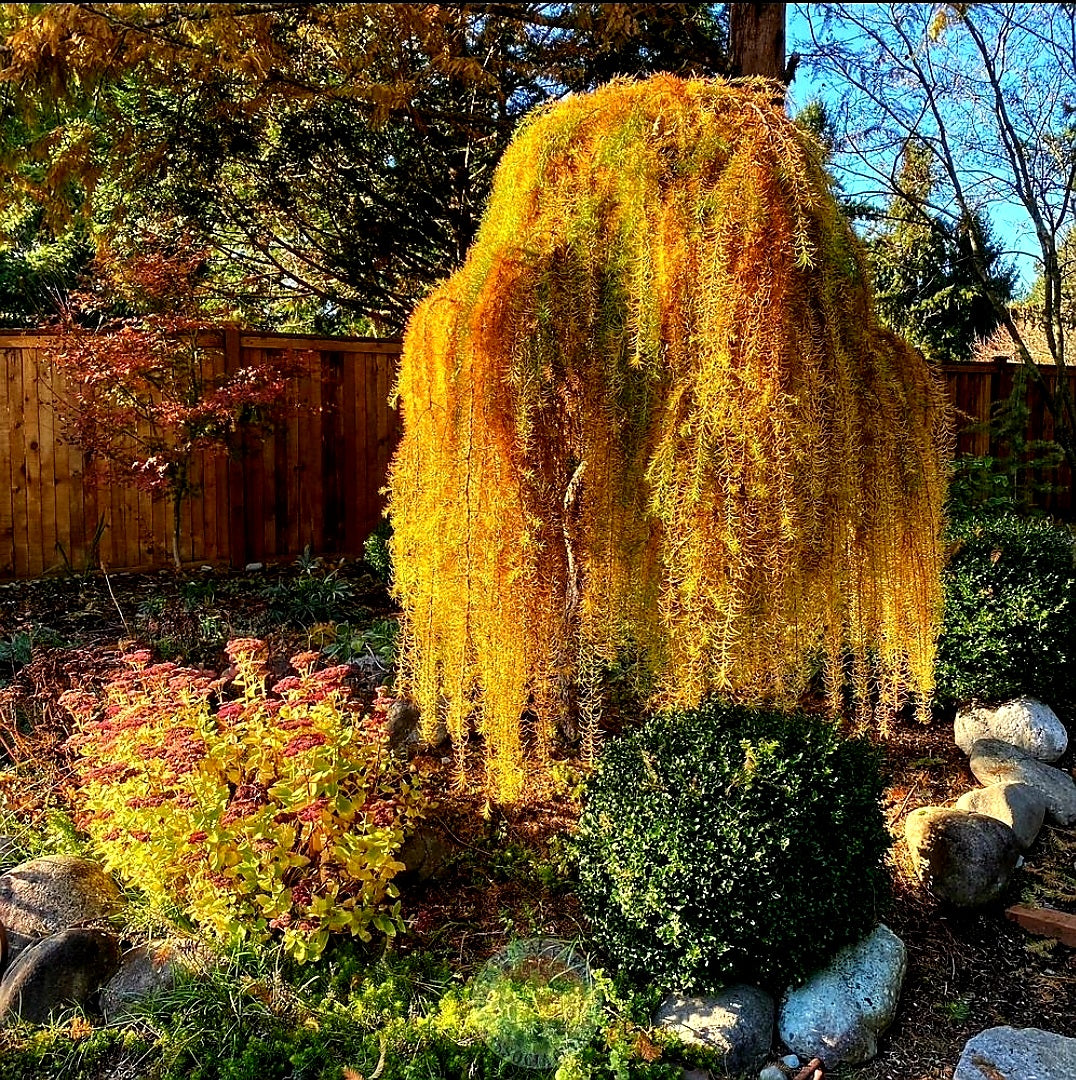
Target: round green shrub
<point>731,843</point>
<point>1010,619</point>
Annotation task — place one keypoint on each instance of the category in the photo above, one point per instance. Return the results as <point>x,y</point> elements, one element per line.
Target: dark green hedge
<point>1010,612</point>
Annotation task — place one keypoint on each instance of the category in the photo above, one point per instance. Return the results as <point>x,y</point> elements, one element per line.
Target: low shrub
<point>280,810</point>
<point>376,641</point>
<point>1010,612</point>
<point>731,843</point>
<point>315,594</point>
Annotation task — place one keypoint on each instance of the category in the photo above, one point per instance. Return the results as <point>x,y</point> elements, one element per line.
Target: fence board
<point>48,463</point>
<point>314,478</point>
<point>35,553</point>
<point>16,467</point>
<point>7,511</point>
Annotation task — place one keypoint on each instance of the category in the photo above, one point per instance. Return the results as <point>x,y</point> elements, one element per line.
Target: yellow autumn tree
<point>654,416</point>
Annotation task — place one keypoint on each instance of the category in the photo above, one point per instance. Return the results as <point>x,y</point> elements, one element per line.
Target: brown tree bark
<point>757,41</point>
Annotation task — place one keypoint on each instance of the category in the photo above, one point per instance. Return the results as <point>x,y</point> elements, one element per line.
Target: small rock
<point>1019,806</point>
<point>252,567</point>
<point>423,854</point>
<point>790,1061</point>
<point>695,1074</point>
<point>1005,1053</point>
<point>402,720</point>
<point>45,895</point>
<point>772,1072</point>
<point>838,1014</point>
<point>737,1023</point>
<point>993,761</point>
<point>962,858</point>
<point>149,969</point>
<point>62,970</point>
<point>404,723</point>
<point>1024,723</point>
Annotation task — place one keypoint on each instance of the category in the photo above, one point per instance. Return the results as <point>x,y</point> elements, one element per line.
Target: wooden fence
<point>314,480</point>
<point>975,389</point>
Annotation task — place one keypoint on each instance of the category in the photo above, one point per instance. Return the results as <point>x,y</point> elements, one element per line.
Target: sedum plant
<point>655,415</point>
<point>281,810</point>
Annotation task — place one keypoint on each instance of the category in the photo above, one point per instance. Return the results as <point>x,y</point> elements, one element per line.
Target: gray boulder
<point>151,969</point>
<point>994,762</point>
<point>772,1072</point>
<point>962,858</point>
<point>1005,1053</point>
<point>736,1023</point>
<point>64,969</point>
<point>1019,806</point>
<point>43,896</point>
<point>1023,722</point>
<point>838,1014</point>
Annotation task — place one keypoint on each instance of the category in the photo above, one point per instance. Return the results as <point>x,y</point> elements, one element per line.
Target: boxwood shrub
<point>1010,612</point>
<point>731,843</point>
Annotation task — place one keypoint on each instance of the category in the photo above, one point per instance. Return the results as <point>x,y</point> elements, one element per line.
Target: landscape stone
<point>1019,806</point>
<point>790,1061</point>
<point>149,969</point>
<point>62,970</point>
<point>404,723</point>
<point>1023,722</point>
<point>993,761</point>
<point>737,1023</point>
<point>838,1014</point>
<point>772,1072</point>
<point>46,895</point>
<point>423,854</point>
<point>962,858</point>
<point>1005,1053</point>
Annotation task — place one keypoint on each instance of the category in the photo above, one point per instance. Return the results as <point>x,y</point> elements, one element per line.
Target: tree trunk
<point>757,40</point>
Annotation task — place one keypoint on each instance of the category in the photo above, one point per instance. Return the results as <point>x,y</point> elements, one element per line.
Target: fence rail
<point>314,480</point>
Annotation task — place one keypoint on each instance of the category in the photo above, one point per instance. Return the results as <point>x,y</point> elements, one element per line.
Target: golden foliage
<point>654,414</point>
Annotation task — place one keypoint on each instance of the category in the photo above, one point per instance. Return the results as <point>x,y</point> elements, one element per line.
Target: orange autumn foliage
<point>654,419</point>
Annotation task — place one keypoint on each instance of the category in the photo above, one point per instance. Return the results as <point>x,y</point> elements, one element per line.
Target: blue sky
<point>1010,222</point>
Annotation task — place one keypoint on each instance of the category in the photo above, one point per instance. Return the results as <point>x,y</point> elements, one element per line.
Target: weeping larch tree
<point>654,417</point>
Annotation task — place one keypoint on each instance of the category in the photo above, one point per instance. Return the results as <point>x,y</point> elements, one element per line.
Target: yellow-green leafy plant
<point>280,810</point>
<point>655,415</point>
